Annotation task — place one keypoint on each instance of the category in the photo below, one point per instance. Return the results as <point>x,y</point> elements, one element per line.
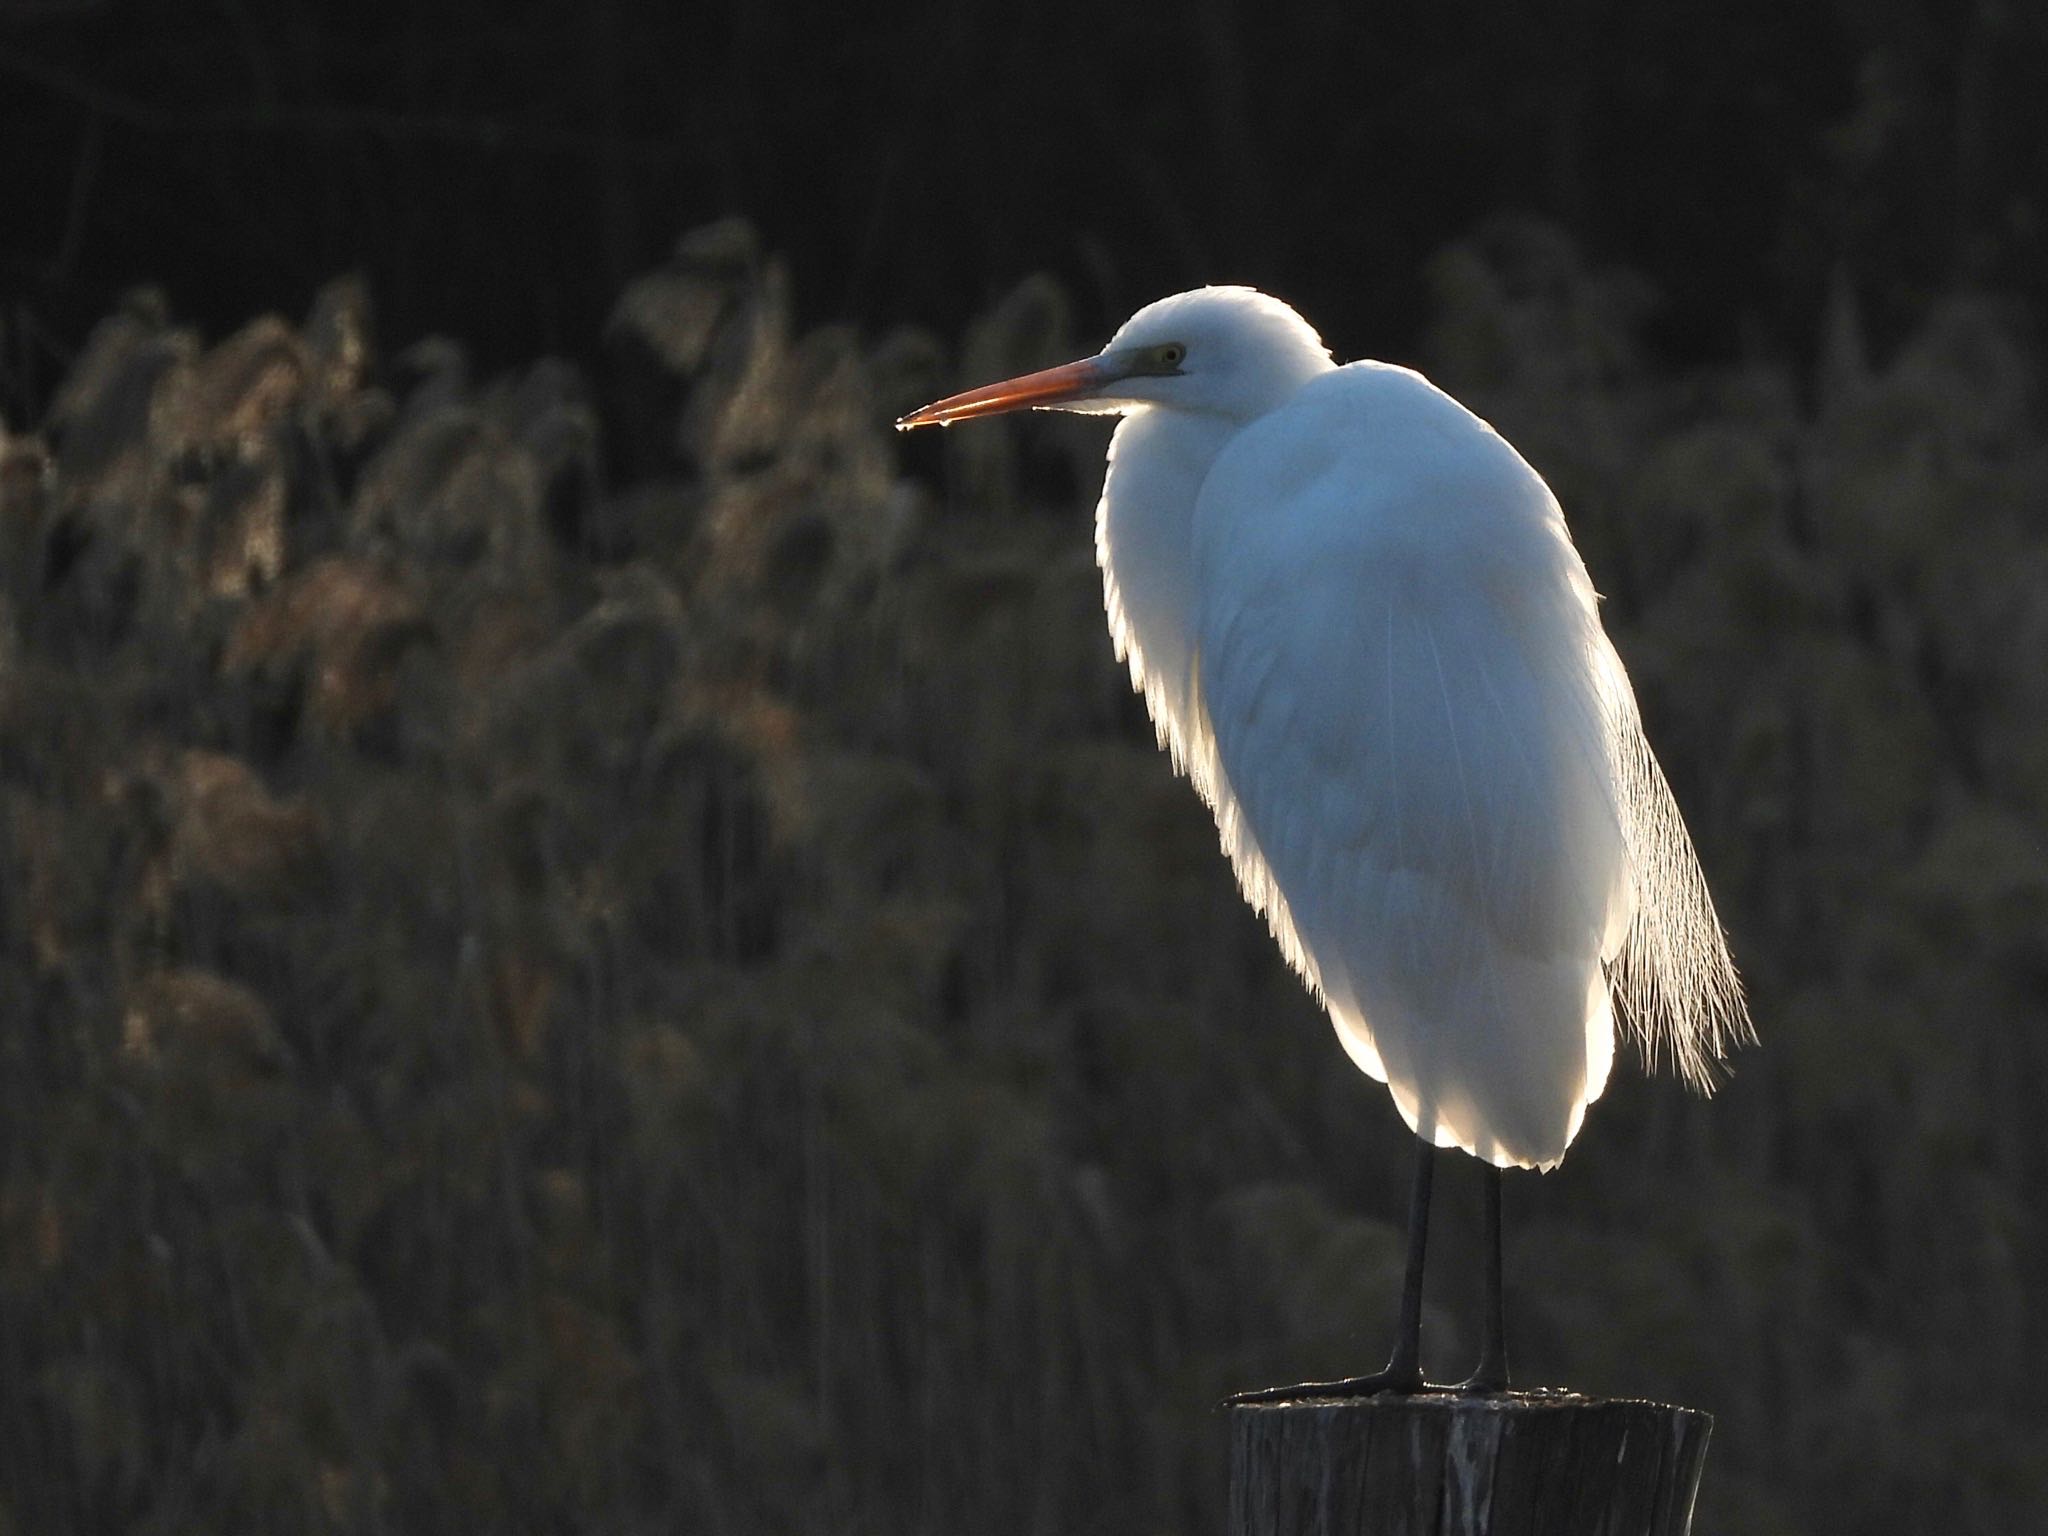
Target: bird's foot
<point>1402,1381</point>
<point>1490,1380</point>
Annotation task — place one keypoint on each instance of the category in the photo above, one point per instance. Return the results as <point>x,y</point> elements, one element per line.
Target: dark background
<point>500,171</point>
<point>590,940</point>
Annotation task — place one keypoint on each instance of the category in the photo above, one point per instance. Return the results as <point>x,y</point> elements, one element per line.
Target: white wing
<point>1407,711</point>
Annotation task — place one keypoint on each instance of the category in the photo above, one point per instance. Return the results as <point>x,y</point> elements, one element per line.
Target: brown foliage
<point>335,633</point>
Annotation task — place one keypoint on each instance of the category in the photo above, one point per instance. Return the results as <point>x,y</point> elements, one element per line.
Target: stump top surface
<point>1539,1400</point>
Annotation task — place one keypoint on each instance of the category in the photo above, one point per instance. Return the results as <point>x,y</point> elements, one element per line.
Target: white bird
<point>1362,630</point>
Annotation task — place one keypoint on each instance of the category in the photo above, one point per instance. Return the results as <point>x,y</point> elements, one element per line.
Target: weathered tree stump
<point>1527,1464</point>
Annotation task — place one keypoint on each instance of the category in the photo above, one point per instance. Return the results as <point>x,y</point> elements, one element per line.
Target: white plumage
<point>1361,628</point>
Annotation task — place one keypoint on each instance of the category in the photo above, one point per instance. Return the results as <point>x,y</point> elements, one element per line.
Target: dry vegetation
<point>648,976</point>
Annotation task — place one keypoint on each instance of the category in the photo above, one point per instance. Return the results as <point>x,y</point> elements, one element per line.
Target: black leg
<point>1492,1374</point>
<point>1404,1370</point>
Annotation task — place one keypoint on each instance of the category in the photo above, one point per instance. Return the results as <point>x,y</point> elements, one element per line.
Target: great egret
<point>1362,630</point>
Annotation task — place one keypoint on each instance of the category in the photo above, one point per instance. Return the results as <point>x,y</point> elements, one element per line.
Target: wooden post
<point>1526,1464</point>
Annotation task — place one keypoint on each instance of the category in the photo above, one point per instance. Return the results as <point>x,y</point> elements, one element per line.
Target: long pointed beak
<point>1050,386</point>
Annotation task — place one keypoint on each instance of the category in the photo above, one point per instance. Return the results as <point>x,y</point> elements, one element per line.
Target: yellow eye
<point>1171,355</point>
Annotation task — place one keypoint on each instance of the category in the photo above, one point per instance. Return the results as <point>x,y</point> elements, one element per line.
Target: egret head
<point>1229,352</point>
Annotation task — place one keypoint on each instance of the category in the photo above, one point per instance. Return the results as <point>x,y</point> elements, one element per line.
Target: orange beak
<point>1050,386</point>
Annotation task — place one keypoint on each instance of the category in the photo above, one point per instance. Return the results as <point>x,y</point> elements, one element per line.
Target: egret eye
<point>1171,355</point>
